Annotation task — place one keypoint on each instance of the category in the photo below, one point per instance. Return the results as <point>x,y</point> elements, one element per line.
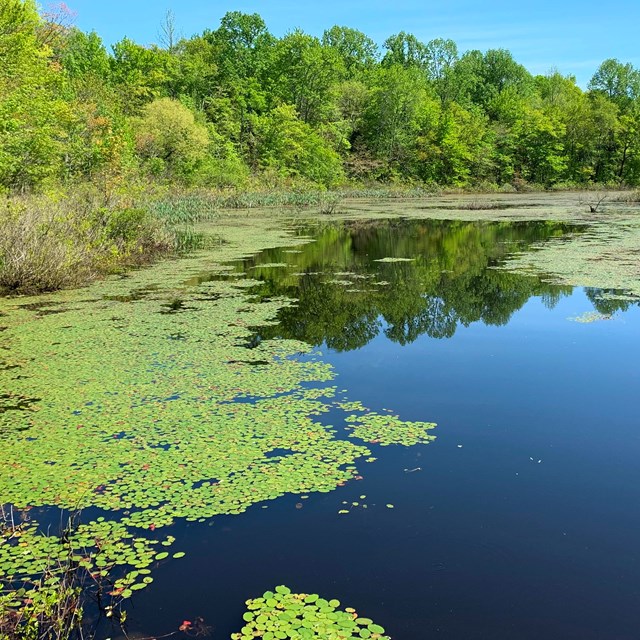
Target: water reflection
<point>404,278</point>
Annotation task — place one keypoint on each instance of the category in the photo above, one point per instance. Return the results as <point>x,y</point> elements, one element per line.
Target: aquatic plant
<point>148,398</point>
<point>590,316</point>
<point>603,257</point>
<point>387,429</point>
<point>283,614</point>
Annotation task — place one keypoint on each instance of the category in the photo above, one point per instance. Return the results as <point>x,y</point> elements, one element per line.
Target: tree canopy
<point>236,100</point>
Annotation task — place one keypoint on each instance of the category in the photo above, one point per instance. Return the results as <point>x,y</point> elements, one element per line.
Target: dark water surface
<point>520,521</point>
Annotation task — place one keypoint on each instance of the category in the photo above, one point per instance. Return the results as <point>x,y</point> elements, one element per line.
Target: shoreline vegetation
<point>103,152</point>
<point>49,243</point>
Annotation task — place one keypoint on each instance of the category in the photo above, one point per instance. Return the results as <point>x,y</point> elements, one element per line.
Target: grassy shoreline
<point>49,243</point>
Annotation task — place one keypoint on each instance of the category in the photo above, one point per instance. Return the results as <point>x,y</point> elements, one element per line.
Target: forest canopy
<point>236,102</point>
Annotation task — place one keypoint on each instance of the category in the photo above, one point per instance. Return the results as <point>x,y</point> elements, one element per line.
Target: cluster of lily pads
<point>604,257</point>
<point>43,575</point>
<point>388,429</point>
<point>150,399</point>
<point>591,316</point>
<point>283,614</point>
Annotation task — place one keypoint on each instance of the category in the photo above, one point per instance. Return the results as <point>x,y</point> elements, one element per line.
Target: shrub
<point>47,245</point>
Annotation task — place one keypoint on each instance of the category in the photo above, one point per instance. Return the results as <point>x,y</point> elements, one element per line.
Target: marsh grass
<point>55,613</point>
<point>629,197</point>
<point>48,244</point>
<point>190,207</point>
<point>49,607</point>
<point>53,604</point>
<point>480,206</point>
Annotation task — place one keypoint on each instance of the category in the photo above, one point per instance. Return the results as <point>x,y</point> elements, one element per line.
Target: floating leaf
<point>155,419</point>
<point>304,616</point>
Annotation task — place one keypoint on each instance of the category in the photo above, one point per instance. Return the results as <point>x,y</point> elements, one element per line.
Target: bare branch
<point>58,18</point>
<point>168,34</point>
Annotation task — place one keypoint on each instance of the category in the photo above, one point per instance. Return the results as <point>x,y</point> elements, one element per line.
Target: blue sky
<point>572,35</point>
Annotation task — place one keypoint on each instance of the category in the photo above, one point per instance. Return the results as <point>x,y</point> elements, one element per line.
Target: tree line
<point>236,104</point>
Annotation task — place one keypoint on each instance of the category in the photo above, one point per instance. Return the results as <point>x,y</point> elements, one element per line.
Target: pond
<point>265,411</point>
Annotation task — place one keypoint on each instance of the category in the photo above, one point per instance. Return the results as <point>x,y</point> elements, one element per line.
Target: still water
<point>520,520</point>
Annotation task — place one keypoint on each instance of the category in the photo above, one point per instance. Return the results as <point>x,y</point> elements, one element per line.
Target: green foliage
<point>399,100</point>
<point>455,143</point>
<point>358,51</point>
<point>139,73</point>
<point>291,147</point>
<point>538,151</point>
<point>619,82</point>
<point>83,54</point>
<point>283,614</point>
<point>406,50</point>
<point>419,113</point>
<point>170,140</point>
<point>30,109</point>
<point>304,71</point>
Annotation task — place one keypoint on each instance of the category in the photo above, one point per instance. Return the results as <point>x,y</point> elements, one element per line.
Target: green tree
<point>595,134</point>
<point>169,139</point>
<point>442,56</point>
<point>538,149</point>
<point>141,73</point>
<point>84,54</point>
<point>242,49</point>
<point>31,111</point>
<point>196,71</point>
<point>619,82</point>
<point>455,146</point>
<point>290,147</point>
<point>484,78</point>
<point>303,73</point>
<point>358,51</point>
<point>406,50</point>
<point>393,117</point>
<point>629,146</point>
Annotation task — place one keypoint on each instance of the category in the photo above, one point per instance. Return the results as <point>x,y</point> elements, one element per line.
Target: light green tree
<point>31,111</point>
<point>169,139</point>
<point>358,51</point>
<point>303,73</point>
<point>290,147</point>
